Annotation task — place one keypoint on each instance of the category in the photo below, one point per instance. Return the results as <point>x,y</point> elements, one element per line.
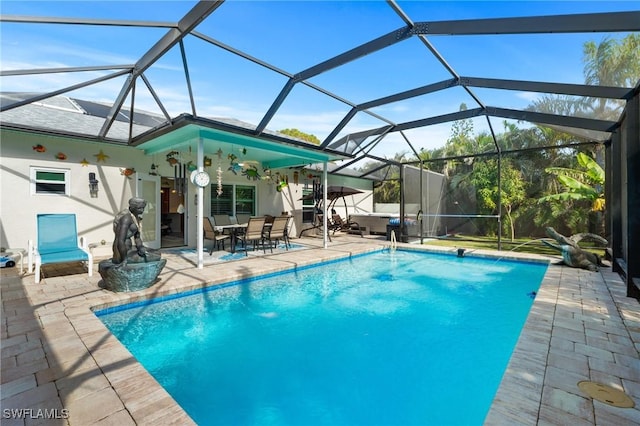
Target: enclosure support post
<point>499,200</point>
<point>325,232</point>
<point>613,182</point>
<point>403,229</point>
<point>421,199</point>
<point>200,206</point>
<point>632,145</point>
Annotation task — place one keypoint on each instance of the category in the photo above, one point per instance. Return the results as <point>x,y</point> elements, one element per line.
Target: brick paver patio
<point>60,365</point>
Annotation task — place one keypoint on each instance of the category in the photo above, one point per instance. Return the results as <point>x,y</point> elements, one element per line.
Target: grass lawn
<point>521,245</point>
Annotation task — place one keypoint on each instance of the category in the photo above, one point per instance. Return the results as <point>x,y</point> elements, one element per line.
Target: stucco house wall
<point>18,206</point>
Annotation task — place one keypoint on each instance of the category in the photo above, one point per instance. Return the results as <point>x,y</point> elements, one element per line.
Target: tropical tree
<point>580,185</point>
<point>612,62</point>
<point>301,135</point>
<point>511,190</point>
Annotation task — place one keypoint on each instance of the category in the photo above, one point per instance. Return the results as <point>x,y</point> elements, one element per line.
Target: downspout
<point>200,206</point>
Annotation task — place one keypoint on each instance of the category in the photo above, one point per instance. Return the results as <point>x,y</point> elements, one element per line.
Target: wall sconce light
<point>154,170</point>
<point>93,185</point>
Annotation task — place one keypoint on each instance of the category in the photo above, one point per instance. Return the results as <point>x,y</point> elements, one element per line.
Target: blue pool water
<point>393,338</point>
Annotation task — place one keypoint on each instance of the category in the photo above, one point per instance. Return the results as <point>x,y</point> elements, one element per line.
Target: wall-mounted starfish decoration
<point>84,162</point>
<point>101,156</point>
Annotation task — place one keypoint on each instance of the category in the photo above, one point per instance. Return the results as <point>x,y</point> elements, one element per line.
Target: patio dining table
<point>234,230</point>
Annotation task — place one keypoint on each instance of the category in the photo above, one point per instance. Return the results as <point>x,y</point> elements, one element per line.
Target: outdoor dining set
<point>244,231</point>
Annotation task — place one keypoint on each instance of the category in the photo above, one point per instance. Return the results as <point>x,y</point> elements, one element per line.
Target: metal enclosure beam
<point>196,15</point>
<point>84,21</point>
<point>364,49</point>
<point>38,98</point>
<point>579,23</point>
<point>460,115</point>
<point>552,88</point>
<point>419,91</point>
<point>558,120</point>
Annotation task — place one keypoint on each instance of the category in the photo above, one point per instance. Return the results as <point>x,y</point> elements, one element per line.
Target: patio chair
<point>253,234</point>
<point>243,218</point>
<point>222,220</point>
<point>349,226</point>
<point>57,242</point>
<point>211,234</point>
<point>278,231</point>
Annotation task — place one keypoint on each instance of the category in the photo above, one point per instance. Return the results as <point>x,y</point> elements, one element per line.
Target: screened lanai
<point>388,87</point>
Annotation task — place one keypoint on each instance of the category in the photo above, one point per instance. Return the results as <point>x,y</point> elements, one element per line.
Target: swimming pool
<point>386,338</point>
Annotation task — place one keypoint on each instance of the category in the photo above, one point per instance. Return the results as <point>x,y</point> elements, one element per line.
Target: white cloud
<point>528,96</point>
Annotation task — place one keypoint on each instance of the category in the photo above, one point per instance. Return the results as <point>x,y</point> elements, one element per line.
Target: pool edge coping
<point>106,349</point>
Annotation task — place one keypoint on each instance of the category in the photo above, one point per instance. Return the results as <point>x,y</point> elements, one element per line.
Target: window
<point>233,200</point>
<point>223,203</point>
<point>246,199</point>
<point>49,181</point>
<point>308,204</point>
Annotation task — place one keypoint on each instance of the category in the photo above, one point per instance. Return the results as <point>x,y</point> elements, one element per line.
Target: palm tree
<point>611,63</point>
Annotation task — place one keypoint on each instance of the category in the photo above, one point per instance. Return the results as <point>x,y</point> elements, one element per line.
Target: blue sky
<point>293,36</point>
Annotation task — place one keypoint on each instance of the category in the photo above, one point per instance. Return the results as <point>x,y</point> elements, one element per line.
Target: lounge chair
<point>57,242</point>
<point>340,224</point>
<point>211,234</point>
<point>278,231</point>
<point>318,224</point>
<point>253,234</point>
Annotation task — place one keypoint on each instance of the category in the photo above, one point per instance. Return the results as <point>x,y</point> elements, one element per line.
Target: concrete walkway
<point>60,365</point>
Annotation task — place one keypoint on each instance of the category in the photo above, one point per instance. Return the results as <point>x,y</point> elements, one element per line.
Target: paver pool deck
<point>60,361</point>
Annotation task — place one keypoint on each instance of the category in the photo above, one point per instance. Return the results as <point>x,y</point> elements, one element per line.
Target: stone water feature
<point>572,254</point>
<point>133,266</point>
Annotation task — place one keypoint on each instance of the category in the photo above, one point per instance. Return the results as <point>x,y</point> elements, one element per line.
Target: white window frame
<point>33,181</point>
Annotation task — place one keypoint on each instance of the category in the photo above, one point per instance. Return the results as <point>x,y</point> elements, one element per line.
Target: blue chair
<point>57,242</point>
